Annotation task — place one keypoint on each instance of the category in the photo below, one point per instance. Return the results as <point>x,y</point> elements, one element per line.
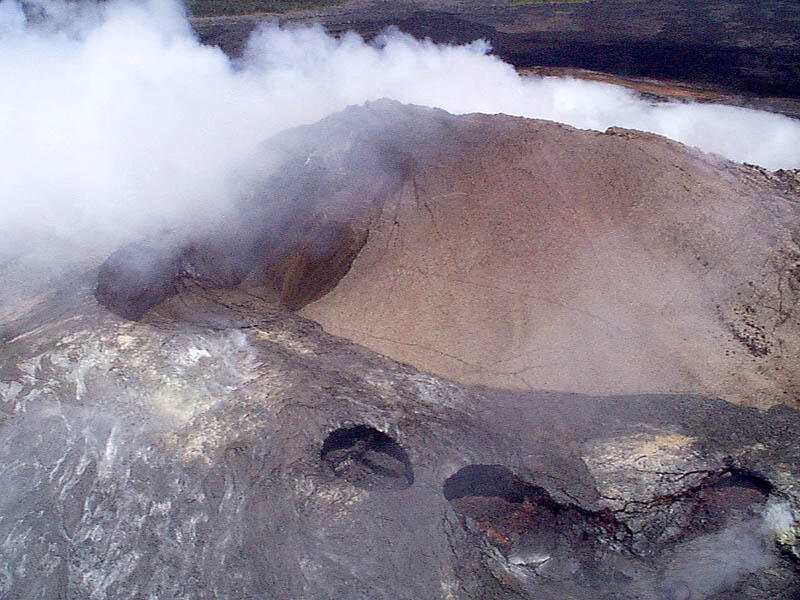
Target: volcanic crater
<point>511,256</point>
<point>512,253</point>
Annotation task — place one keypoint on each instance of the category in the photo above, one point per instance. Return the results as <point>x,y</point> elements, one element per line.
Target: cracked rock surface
<point>189,456</point>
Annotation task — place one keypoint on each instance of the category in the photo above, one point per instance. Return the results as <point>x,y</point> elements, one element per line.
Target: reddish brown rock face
<point>315,265</point>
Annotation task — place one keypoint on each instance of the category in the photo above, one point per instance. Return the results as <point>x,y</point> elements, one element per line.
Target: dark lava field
<point>750,48</point>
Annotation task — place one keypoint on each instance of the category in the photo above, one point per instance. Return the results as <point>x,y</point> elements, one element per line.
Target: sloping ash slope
<point>511,253</point>
<point>526,254</point>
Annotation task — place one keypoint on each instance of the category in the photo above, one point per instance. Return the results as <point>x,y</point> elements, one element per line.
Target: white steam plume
<point>115,120</point>
<point>718,561</point>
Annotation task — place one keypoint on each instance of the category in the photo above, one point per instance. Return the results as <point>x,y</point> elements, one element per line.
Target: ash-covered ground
<point>571,370</point>
<point>172,429</point>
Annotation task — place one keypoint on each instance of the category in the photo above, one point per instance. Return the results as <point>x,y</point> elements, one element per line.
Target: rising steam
<point>718,561</point>
<point>115,120</point>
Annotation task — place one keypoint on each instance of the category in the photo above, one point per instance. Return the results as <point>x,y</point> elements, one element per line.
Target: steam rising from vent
<point>718,561</point>
<point>115,120</point>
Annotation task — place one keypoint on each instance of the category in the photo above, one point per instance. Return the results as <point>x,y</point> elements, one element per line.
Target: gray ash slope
<point>182,456</point>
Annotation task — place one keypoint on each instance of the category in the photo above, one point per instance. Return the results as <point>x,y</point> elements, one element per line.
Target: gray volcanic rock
<point>224,448</point>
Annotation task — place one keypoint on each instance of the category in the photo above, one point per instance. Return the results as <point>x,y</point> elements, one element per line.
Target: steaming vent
<point>736,495</point>
<point>724,538</point>
<point>367,458</point>
<point>298,267</point>
<point>701,540</point>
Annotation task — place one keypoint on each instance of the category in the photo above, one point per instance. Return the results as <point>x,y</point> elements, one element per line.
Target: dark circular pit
<point>367,458</point>
<point>488,481</point>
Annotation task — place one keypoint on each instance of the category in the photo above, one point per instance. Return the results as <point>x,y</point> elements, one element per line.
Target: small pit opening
<point>732,496</point>
<point>489,481</point>
<point>500,505</point>
<point>367,458</point>
<point>744,479</point>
